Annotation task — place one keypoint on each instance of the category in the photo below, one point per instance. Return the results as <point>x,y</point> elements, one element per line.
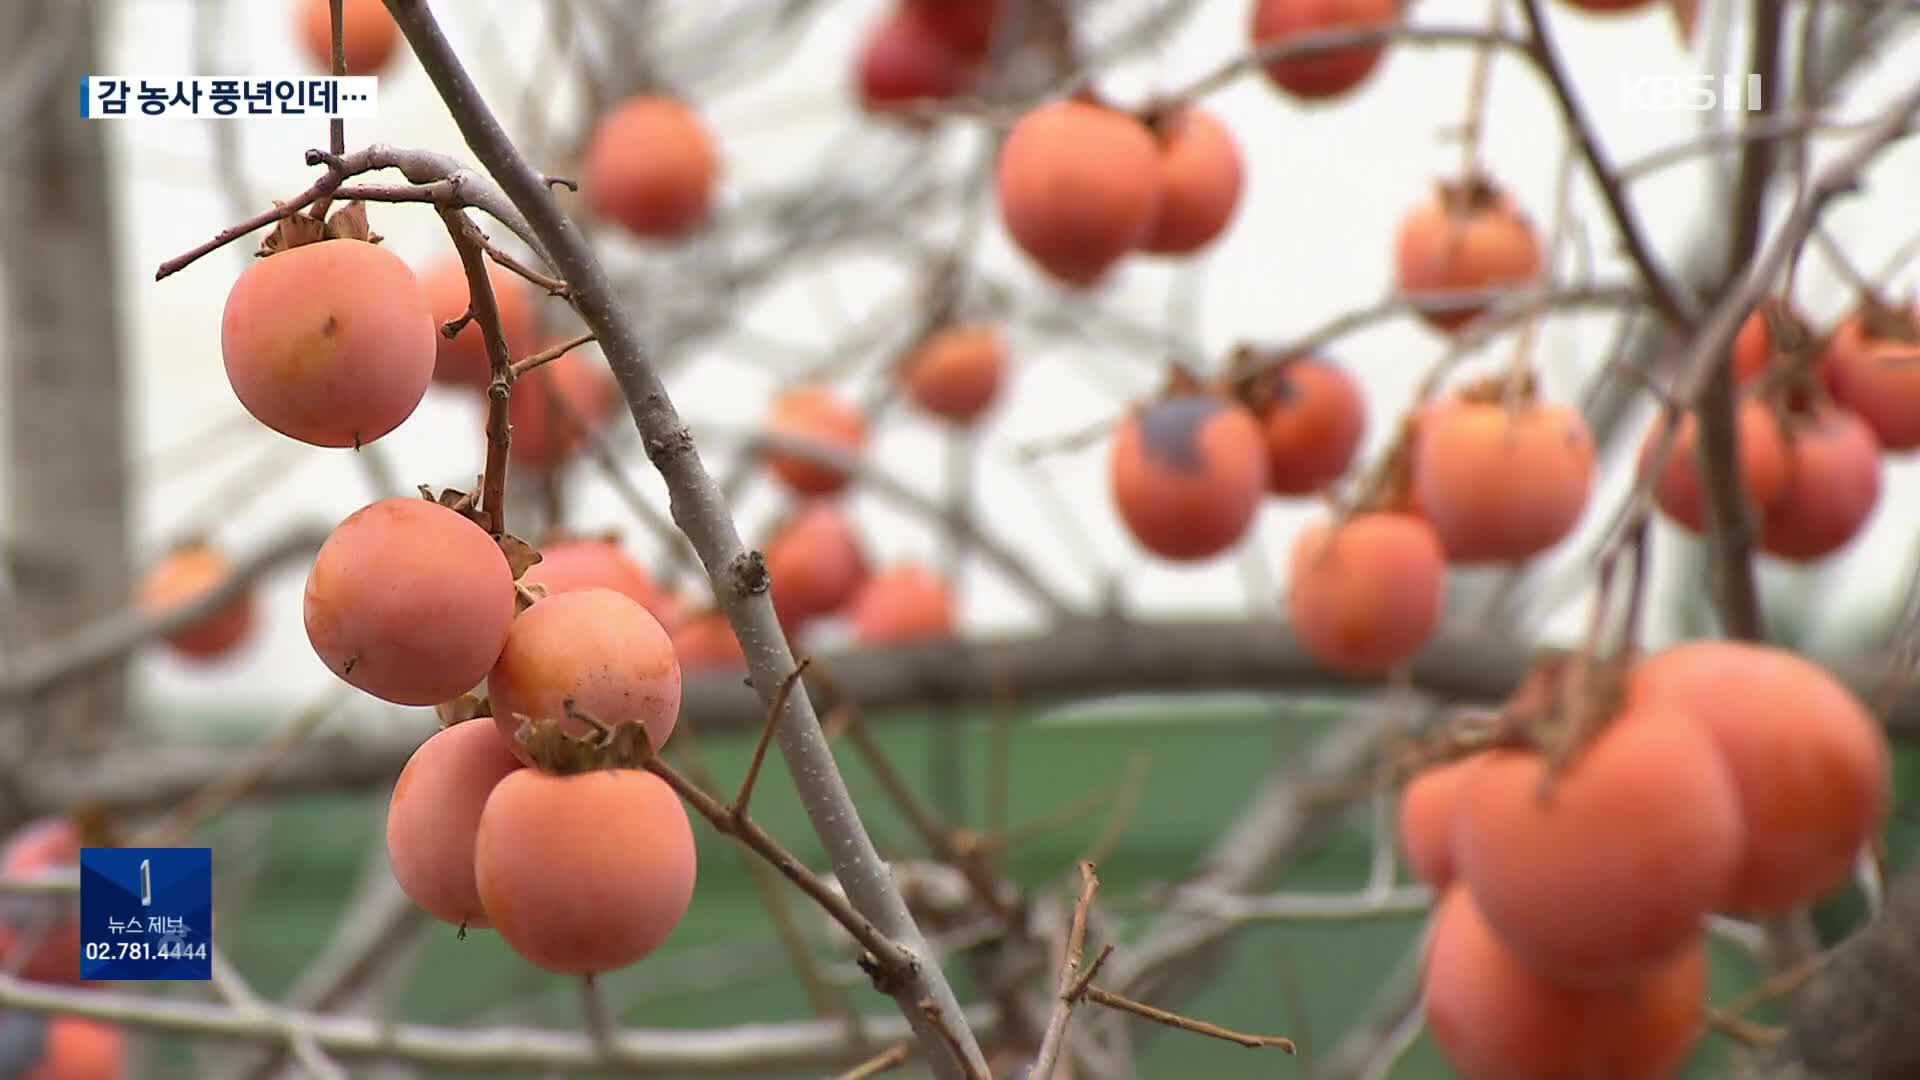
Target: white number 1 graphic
<point>146,882</point>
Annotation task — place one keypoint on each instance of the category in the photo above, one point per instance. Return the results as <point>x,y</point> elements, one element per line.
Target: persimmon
<point>1429,804</point>
<point>1187,473</point>
<point>409,601</point>
<point>462,359</point>
<point>1763,464</point>
<point>78,1048</point>
<point>1367,593</point>
<point>555,408</point>
<point>906,59</point>
<point>1754,344</point>
<point>1872,364</point>
<point>597,649</point>
<point>1611,869</point>
<point>1327,74</point>
<point>1468,236</point>
<point>1313,417</point>
<point>1080,187</point>
<point>45,928</point>
<point>331,343</point>
<point>1495,1018</point>
<point>186,574</point>
<point>815,563</point>
<point>1201,176</point>
<point>903,603</point>
<point>1542,455</point>
<point>704,641</point>
<point>651,167</point>
<point>570,564</point>
<point>815,414</point>
<point>967,25</point>
<point>1833,485</point>
<point>368,36</point>
<point>434,814</point>
<point>1810,763</point>
<point>956,373</point>
<point>585,873</point>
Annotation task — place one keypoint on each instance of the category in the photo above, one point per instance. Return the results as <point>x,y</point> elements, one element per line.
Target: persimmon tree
<point>1577,819</point>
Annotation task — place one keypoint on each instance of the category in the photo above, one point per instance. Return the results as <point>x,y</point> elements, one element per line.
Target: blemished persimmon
<point>815,562</point>
<point>1612,870</point>
<point>597,648</point>
<point>1811,764</point>
<point>1542,454</point>
<point>586,873</point>
<point>967,25</point>
<point>901,604</point>
<point>185,575</point>
<point>1833,485</point>
<point>78,1048</point>
<point>816,414</point>
<point>1314,419</point>
<point>1187,474</point>
<point>1367,595</point>
<point>462,359</point>
<point>1334,72</point>
<point>1872,365</point>
<point>1753,345</point>
<point>1201,176</point>
<point>572,564</point>
<point>330,343</point>
<point>906,59</point>
<point>651,167</point>
<point>368,35</point>
<point>1495,1018</point>
<point>409,601</point>
<point>434,814</point>
<point>1468,236</point>
<point>704,641</point>
<point>956,373</point>
<point>39,847</point>
<point>1763,465</point>
<point>1079,187</point>
<point>556,407</point>
<point>1429,803</point>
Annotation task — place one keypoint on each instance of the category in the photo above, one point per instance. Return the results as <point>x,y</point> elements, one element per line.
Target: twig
<point>774,712</point>
<point>1186,1023</point>
<point>884,1062</point>
<point>546,356</point>
<point>1055,1037</point>
<point>483,308</point>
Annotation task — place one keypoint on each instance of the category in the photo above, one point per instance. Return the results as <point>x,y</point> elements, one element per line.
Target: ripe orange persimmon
<point>704,641</point>
<point>368,35</point>
<point>572,564</point>
<point>597,649</point>
<point>462,359</point>
<point>903,603</point>
<point>651,167</point>
<point>967,25</point>
<point>49,926</point>
<point>1326,74</point>
<point>1811,764</point>
<point>1079,188</point>
<point>1187,473</point>
<point>586,873</point>
<point>1367,595</point>
<point>815,414</point>
<point>409,601</point>
<point>1201,176</point>
<point>434,813</point>
<point>1763,465</point>
<point>1495,1018</point>
<point>330,343</point>
<point>1613,871</point>
<point>1429,805</point>
<point>1753,345</point>
<point>906,59</point>
<point>815,562</point>
<point>1469,236</point>
<point>1313,417</point>
<point>185,575</point>
<point>1833,485</point>
<point>956,372</point>
<point>78,1048</point>
<point>1872,365</point>
<point>1542,455</point>
<point>556,407</point>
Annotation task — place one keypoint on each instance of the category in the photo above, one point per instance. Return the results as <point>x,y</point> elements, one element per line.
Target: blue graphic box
<point>146,913</point>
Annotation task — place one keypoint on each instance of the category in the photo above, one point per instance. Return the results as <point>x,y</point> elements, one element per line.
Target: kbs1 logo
<point>1690,93</point>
